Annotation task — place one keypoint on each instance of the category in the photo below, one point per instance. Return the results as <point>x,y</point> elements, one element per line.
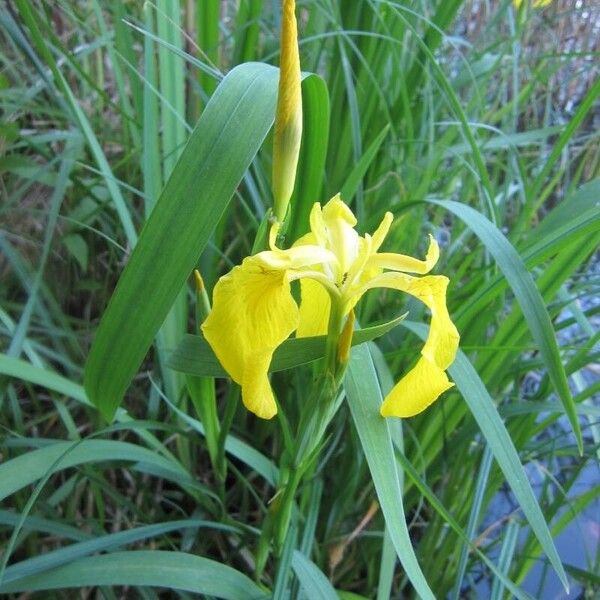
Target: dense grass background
<point>433,107</point>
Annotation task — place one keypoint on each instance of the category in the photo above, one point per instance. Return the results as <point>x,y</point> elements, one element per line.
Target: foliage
<point>461,119</point>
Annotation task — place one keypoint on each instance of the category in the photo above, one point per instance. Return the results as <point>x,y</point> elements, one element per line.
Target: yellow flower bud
<point>536,3</point>
<point>288,118</point>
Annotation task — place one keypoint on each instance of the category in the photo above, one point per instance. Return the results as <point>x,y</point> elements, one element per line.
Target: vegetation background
<point>429,102</point>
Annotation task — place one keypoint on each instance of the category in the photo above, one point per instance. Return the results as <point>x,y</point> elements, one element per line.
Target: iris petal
<point>408,264</point>
<point>427,377</point>
<point>253,313</point>
<point>315,305</point>
<point>419,388</point>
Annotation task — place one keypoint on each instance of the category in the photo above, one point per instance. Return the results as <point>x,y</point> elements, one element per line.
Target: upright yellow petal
<point>381,232</point>
<point>315,304</point>
<point>253,313</point>
<point>333,228</point>
<point>288,116</point>
<point>426,381</point>
<point>343,238</point>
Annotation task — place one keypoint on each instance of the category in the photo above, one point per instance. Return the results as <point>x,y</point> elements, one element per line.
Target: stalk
<point>318,413</point>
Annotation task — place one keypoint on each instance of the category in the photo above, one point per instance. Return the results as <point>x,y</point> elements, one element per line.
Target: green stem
<point>314,421</point>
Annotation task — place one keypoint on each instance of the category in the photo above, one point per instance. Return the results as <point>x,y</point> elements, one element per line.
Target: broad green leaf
<point>173,570</point>
<point>485,413</point>
<point>528,297</point>
<point>220,149</point>
<point>195,356</point>
<point>31,466</point>
<point>111,541</point>
<point>54,528</point>
<point>364,398</point>
<point>313,153</point>
<point>312,580</point>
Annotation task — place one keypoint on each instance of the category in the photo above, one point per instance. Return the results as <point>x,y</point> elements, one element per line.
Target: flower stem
<point>316,416</point>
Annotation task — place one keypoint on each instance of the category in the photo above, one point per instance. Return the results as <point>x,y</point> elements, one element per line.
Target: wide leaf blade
<point>194,356</point>
<point>219,151</point>
<point>173,570</point>
<point>365,398</point>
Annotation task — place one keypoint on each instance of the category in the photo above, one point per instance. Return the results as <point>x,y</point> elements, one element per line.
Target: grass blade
<point>173,570</point>
<point>529,298</point>
<point>484,411</point>
<point>312,580</point>
<point>364,397</point>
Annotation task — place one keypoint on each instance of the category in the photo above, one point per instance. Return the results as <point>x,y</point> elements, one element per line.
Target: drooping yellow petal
<point>253,313</point>
<point>442,342</point>
<point>439,350</point>
<point>315,304</point>
<point>408,264</point>
<point>419,388</point>
<point>288,116</point>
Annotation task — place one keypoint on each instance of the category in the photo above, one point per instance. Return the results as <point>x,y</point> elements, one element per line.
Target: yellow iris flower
<point>254,311</point>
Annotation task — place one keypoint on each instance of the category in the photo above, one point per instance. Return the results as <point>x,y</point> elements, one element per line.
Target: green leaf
<point>313,154</point>
<point>364,398</point>
<point>528,297</point>
<point>28,468</point>
<point>111,541</point>
<point>485,413</point>
<point>195,356</point>
<point>355,177</point>
<point>173,570</point>
<point>219,151</point>
<point>21,369</point>
<point>312,580</point>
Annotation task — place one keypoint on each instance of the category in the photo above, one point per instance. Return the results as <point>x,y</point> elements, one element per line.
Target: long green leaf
<point>485,413</point>
<point>111,541</point>
<point>365,398</point>
<point>528,297</point>
<point>173,570</point>
<point>31,466</point>
<point>312,580</point>
<point>221,147</point>
<point>21,369</point>
<point>195,356</point>
<point>313,154</point>
<point>354,179</point>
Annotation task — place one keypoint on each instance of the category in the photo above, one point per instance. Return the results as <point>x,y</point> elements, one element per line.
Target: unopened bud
<point>288,117</point>
<point>345,342</point>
